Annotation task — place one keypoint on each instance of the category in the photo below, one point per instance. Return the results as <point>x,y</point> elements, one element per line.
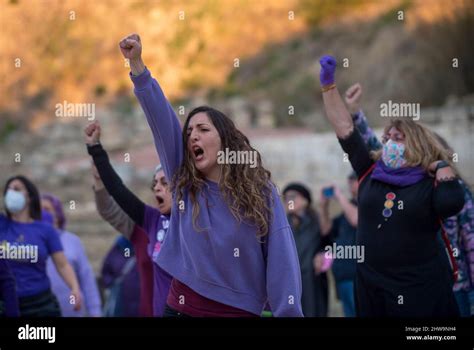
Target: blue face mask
<point>393,154</point>
<point>15,201</point>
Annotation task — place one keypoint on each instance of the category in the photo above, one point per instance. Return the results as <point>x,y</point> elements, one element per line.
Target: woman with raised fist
<point>229,248</point>
<point>153,221</point>
<point>405,190</point>
<point>457,231</point>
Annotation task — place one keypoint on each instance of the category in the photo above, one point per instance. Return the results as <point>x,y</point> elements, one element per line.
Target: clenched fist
<point>328,70</point>
<point>92,133</point>
<point>131,47</point>
<point>353,96</point>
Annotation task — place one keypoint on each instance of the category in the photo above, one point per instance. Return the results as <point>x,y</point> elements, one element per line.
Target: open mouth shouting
<point>198,153</point>
<point>160,200</point>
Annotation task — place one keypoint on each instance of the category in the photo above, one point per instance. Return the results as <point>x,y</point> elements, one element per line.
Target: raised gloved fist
<point>328,70</point>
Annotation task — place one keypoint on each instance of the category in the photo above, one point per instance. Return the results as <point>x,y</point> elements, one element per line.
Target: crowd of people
<point>220,240</point>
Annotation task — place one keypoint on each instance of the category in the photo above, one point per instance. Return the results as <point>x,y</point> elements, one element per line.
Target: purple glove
<point>328,69</point>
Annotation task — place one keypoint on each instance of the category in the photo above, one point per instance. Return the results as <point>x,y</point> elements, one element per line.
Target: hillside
<point>261,55</point>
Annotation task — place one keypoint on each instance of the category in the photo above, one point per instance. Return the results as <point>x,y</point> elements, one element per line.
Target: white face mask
<point>15,201</point>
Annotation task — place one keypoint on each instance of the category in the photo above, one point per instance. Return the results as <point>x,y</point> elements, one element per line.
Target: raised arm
<point>352,97</point>
<point>350,210</point>
<point>129,203</point>
<point>161,118</point>
<point>336,111</point>
<point>109,210</point>
<point>340,119</point>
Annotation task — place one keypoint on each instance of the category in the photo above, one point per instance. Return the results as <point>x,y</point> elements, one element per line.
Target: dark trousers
<point>43,304</point>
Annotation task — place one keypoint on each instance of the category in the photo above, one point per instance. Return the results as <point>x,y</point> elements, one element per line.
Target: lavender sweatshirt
<point>225,262</point>
<point>76,255</point>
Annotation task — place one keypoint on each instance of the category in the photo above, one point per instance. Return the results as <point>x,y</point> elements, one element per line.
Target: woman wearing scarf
<point>459,229</point>
<point>405,190</point>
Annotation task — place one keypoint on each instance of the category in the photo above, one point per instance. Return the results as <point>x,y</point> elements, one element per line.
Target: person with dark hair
<point>77,257</point>
<point>8,297</point>
<point>229,247</point>
<point>404,191</point>
<point>309,242</point>
<point>30,242</point>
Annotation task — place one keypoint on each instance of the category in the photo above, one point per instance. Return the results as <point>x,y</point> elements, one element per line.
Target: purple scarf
<point>404,176</point>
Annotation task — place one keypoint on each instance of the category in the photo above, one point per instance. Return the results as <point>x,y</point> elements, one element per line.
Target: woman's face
<point>294,202</point>
<point>48,206</point>
<point>162,192</point>
<point>203,144</point>
<point>394,134</point>
<point>18,186</point>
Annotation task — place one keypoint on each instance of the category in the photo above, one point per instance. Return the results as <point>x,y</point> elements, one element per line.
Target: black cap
<point>300,188</point>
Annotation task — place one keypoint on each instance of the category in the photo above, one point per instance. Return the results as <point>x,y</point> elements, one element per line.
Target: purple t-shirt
<point>27,246</point>
<point>156,226</point>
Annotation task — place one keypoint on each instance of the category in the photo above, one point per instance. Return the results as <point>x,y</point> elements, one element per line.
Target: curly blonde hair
<point>247,190</point>
<point>422,147</point>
